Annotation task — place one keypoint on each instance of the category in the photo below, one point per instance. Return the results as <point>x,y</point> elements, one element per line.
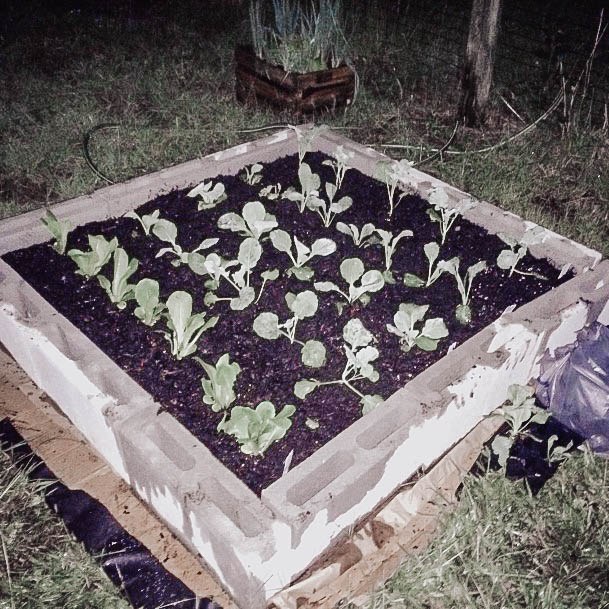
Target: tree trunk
<point>478,70</point>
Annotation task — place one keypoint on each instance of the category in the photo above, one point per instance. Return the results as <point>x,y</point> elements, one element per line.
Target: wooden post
<point>478,70</point>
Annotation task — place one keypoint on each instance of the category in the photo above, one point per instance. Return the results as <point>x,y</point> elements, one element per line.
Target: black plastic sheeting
<point>131,567</point>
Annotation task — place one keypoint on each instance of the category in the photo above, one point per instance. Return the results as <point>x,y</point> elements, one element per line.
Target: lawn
<point>153,87</point>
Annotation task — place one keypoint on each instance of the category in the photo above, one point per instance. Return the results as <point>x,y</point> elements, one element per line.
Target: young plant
<point>304,139</point>
<point>389,243</point>
<point>253,222</point>
<point>185,329</point>
<point>147,221</point>
<point>361,237</point>
<point>90,263</point>
<point>463,312</point>
<point>211,195</point>
<point>168,232</point>
<point>282,241</point>
<point>443,213</point>
<point>425,338</point>
<point>120,290</point>
<point>339,164</point>
<point>219,386</point>
<point>509,258</point>
<point>360,354</point>
<point>432,251</point>
<point>328,210</point>
<point>302,306</point>
<point>59,230</point>
<point>310,184</point>
<point>251,175</point>
<point>271,192</point>
<point>249,254</point>
<point>256,429</point>
<point>352,270</point>
<point>150,308</point>
<point>391,173</point>
<point>519,412</point>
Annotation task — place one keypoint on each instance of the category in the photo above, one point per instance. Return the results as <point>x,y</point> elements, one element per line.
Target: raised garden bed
<point>258,521</point>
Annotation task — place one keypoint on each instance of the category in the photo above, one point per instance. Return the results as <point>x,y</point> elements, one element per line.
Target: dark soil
<point>270,368</point>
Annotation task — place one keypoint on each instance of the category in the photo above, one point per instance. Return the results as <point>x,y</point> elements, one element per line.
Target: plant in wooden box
<point>298,59</point>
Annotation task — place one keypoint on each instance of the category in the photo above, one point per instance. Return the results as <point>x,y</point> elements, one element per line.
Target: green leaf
<point>370,402</point>
<point>432,251</point>
<point>326,286</point>
<point>412,281</point>
<point>303,273</point>
<point>435,328</point>
<point>425,343</point>
<point>304,304</point>
<point>313,354</point>
<point>281,240</point>
<point>343,204</point>
<point>507,259</point>
<point>356,334</point>
<point>165,231</point>
<point>246,296</point>
<point>196,263</point>
<point>219,386</point>
<point>323,247</point>
<point>250,251</point>
<point>501,446</point>
<point>266,325</point>
<point>304,387</point>
<point>233,222</point>
<point>351,269</point>
<point>59,229</point>
<point>149,308</point>
<point>463,313</point>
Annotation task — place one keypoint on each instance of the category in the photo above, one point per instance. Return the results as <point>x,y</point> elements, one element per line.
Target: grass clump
<point>41,566</point>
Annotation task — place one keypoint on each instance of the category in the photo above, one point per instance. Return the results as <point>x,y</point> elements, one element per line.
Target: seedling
<point>463,312</point>
<point>147,221</point>
<point>282,241</point>
<point>219,386</point>
<point>304,138</point>
<point>120,290</point>
<point>425,338</point>
<point>256,429</point>
<point>519,412</point>
<point>432,251</point>
<point>391,173</point>
<point>59,229</point>
<point>90,263</point>
<point>271,192</point>
<point>389,243</point>
<point>443,213</point>
<point>310,184</point>
<point>168,232</point>
<point>251,175</point>
<point>149,309</point>
<point>352,271</point>
<point>211,195</point>
<point>328,210</point>
<point>253,222</point>
<point>339,164</point>
<point>302,305</point>
<point>185,329</point>
<point>361,237</point>
<point>509,258</point>
<point>360,355</point>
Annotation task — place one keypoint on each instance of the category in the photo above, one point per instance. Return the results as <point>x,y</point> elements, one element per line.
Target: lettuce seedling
<point>443,213</point>
<point>328,210</point>
<point>271,192</point>
<point>282,241</point>
<point>185,329</point>
<point>352,270</point>
<point>251,175</point>
<point>149,309</point>
<point>310,184</point>
<point>211,195</point>
<point>509,258</point>
<point>426,338</point>
<point>147,221</point>
<point>167,231</point>
<point>253,222</point>
<point>520,412</point>
<point>339,164</point>
<point>463,312</point>
<point>59,230</point>
<point>361,237</point>
<point>432,251</point>
<point>120,290</point>
<point>360,355</point>
<point>391,173</point>
<point>219,386</point>
<point>256,429</point>
<point>389,243</point>
<point>90,263</point>
<point>302,305</point>
<point>249,254</point>
<point>304,139</point>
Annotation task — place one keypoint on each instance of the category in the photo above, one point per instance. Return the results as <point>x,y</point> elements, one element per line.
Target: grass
<point>164,81</point>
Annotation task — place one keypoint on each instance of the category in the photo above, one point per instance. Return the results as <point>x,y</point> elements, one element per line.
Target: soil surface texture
<point>269,369</point>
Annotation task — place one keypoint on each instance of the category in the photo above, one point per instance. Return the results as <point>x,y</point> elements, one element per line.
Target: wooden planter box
<point>299,93</point>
